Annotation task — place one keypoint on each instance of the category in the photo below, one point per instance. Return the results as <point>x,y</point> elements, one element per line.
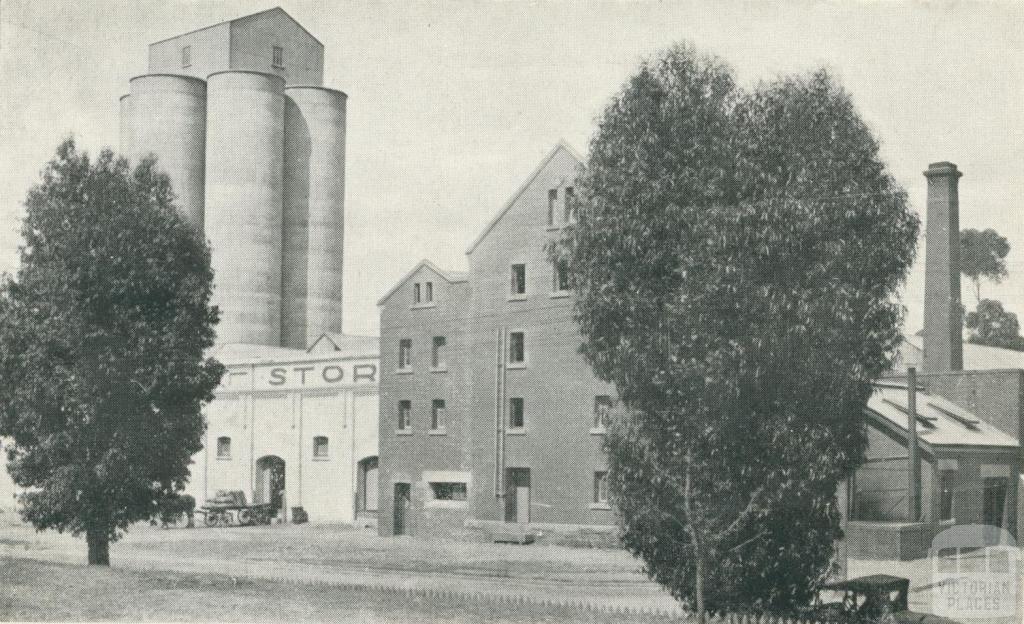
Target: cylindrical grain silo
<point>168,120</point>
<point>244,169</point>
<point>125,140</point>
<point>314,214</point>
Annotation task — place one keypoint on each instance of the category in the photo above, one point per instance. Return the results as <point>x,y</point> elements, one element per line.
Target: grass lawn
<point>34,591</point>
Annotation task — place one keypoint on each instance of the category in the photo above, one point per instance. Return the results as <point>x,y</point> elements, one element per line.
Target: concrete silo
<point>126,124</point>
<point>314,208</point>
<point>167,118</point>
<point>244,187</point>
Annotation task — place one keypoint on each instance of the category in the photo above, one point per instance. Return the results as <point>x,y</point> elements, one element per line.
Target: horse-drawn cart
<point>229,508</point>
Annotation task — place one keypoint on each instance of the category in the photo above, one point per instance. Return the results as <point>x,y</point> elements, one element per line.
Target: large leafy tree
<point>102,339</point>
<point>735,261</point>
<point>991,325</point>
<point>983,255</point>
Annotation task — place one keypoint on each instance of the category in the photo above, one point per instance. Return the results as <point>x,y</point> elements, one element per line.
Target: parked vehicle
<point>875,598</point>
<point>229,508</point>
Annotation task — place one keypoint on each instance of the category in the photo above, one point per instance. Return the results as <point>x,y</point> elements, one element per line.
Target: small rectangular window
<point>437,414</point>
<point>224,447</point>
<point>516,413</point>
<point>448,491</point>
<point>416,292</point>
<point>947,483</point>
<point>570,205</point>
<point>602,411</point>
<point>518,279</point>
<point>437,353</point>
<point>561,276</point>
<point>186,56</point>
<point>601,487</point>
<point>516,348</point>
<point>404,415</point>
<point>278,56</point>
<point>552,198</point>
<point>429,294</point>
<point>405,354</point>
<point>320,446</point>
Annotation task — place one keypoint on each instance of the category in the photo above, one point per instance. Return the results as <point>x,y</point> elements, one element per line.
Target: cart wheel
<point>211,519</point>
<point>244,517</point>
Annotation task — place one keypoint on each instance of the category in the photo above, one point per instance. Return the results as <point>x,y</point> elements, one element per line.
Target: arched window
<point>223,447</point>
<point>320,447</point>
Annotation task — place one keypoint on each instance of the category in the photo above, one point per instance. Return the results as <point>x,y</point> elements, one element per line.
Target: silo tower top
<point>270,41</point>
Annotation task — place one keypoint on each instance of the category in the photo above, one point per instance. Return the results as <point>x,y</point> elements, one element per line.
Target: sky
<point>451,105</point>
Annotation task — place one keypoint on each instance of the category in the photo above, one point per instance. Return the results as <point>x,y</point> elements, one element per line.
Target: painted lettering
<point>277,376</point>
<point>370,374</point>
<point>302,370</point>
<point>332,373</point>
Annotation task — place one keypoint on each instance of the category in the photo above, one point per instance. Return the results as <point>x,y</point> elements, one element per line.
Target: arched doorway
<point>366,487</point>
<point>270,482</point>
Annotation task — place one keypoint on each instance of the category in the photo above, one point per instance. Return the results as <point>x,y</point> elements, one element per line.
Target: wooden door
<point>403,501</point>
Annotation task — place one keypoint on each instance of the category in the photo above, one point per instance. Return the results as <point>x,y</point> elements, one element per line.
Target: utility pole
<point>914,467</point>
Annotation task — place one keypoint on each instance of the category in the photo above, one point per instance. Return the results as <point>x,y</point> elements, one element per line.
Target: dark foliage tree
<point>735,262</point>
<point>993,326</point>
<point>983,255</point>
<point>102,340</point>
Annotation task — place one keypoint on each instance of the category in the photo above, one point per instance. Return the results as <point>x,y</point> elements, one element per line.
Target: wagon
<point>229,508</point>
<point>871,599</point>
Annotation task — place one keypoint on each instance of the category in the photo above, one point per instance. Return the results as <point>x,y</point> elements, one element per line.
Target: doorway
<point>517,495</point>
<point>366,495</point>
<point>403,502</point>
<point>270,482</point>
<point>994,501</point>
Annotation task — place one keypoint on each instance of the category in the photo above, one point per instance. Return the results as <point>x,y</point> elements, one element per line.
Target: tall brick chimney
<point>943,322</point>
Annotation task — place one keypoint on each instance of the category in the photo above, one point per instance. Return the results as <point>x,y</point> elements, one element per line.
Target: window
<point>278,56</point>
<point>448,491</point>
<point>320,446</point>
<point>224,448</point>
<point>186,56</point>
<point>516,348</point>
<point>518,279</point>
<point>570,205</point>
<point>561,277</point>
<point>516,413</point>
<point>416,293</point>
<point>437,352</point>
<point>946,483</point>
<point>404,415</point>
<point>437,414</point>
<point>552,198</point>
<point>601,487</point>
<point>405,354</point>
<point>602,411</point>
<point>429,294</point>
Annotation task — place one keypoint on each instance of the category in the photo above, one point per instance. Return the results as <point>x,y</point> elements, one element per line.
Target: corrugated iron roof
<point>940,422</point>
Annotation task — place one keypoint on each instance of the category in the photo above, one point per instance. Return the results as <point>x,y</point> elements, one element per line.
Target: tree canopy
<point>102,339</point>
<point>991,325</point>
<point>735,262</point>
<point>983,255</point>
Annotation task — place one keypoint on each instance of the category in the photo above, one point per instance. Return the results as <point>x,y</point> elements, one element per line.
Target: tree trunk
<point>698,589</point>
<point>99,547</point>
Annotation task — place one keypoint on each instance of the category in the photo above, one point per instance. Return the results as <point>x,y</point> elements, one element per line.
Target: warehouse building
<point>254,144</point>
<point>489,415</point>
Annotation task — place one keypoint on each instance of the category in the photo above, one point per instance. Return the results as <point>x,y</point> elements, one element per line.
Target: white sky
<point>451,105</point>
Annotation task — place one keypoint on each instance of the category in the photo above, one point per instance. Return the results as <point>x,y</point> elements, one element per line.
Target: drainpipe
<point>499,441</point>
<point>914,462</point>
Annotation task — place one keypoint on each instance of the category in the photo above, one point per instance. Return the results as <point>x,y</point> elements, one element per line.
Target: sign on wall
<point>296,375</point>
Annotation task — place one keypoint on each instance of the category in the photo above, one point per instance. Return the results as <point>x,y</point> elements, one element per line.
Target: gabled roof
<point>348,343</point>
<point>976,356</point>
<point>452,277</point>
<point>940,422</point>
<point>279,9</point>
<point>561,145</point>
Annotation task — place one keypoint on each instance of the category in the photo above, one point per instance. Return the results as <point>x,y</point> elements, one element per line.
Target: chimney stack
<point>943,323</point>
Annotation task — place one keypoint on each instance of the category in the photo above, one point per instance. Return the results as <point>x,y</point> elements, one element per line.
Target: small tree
<point>102,340</point>
<point>983,255</point>
<point>735,261</point>
<point>993,326</point>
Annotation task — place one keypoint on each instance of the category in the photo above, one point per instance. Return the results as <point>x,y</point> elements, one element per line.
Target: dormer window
<point>570,205</point>
<point>429,292</point>
<point>552,199</point>
<point>416,293</point>
<point>278,56</point>
<point>186,56</point>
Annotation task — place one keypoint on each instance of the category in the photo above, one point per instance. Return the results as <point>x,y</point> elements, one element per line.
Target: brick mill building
<point>488,413</point>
